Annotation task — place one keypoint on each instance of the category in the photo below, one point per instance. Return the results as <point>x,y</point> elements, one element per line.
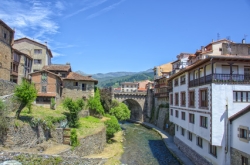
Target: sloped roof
<point>78,77</point>
<point>240,113</point>
<point>6,26</point>
<point>45,71</point>
<point>57,67</point>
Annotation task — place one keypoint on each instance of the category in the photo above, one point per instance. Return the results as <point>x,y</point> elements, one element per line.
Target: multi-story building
<point>6,41</point>
<point>40,53</point>
<point>129,86</point>
<point>204,94</point>
<point>20,66</point>
<point>160,70</point>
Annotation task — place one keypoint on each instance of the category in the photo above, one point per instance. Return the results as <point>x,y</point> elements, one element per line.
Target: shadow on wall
<point>135,108</point>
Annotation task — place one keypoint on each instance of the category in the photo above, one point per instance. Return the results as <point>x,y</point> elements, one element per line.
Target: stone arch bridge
<point>136,102</point>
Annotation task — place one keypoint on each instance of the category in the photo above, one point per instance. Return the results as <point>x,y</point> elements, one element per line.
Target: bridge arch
<point>135,108</point>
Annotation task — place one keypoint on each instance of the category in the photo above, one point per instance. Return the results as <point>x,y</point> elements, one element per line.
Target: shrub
<point>52,103</point>
<point>73,138</point>
<point>95,105</point>
<point>121,112</point>
<point>112,127</point>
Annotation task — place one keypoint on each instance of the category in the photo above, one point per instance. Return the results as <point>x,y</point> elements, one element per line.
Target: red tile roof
<point>57,67</point>
<point>76,76</point>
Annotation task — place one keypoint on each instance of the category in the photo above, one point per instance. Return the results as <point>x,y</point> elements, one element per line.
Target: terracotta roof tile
<point>76,76</point>
<point>57,67</point>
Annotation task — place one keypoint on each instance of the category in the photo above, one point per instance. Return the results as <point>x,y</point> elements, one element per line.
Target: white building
<point>129,87</point>
<point>203,95</point>
<point>239,131</point>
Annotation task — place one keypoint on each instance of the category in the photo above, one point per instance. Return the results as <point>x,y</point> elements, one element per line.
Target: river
<point>143,146</point>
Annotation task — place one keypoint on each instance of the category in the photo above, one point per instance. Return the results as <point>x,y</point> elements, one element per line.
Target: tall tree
<point>26,93</point>
<point>94,104</point>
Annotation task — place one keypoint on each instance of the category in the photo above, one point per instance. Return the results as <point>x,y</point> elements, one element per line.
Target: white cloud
<point>59,5</point>
<point>87,6</point>
<point>105,10</point>
<point>33,18</point>
<point>55,54</point>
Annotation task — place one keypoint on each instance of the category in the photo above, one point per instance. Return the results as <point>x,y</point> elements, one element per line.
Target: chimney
<point>202,49</point>
<point>90,76</point>
<point>67,63</point>
<point>243,41</point>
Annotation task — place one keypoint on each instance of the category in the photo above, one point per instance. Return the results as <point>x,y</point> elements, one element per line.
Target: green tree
<point>95,105</point>
<point>3,121</point>
<point>74,108</point>
<point>73,138</point>
<point>112,127</point>
<point>121,112</point>
<point>26,93</point>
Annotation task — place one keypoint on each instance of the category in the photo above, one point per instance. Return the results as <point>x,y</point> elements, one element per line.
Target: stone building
<point>48,85</point>
<point>60,69</point>
<point>20,67</point>
<point>129,86</point>
<point>78,86</point>
<point>239,140</point>
<point>6,41</point>
<point>40,53</point>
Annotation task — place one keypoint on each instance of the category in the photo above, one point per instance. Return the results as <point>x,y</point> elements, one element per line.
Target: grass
<point>89,125</point>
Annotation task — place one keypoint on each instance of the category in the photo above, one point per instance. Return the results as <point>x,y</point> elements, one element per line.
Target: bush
<point>121,112</point>
<point>112,127</point>
<point>3,121</point>
<point>52,103</point>
<point>73,138</point>
<point>74,108</point>
<point>95,105</point>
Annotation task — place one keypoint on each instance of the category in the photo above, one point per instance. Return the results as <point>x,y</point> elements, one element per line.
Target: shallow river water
<point>143,146</point>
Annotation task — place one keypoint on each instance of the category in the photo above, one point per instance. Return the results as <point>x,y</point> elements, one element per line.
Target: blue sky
<point>99,36</point>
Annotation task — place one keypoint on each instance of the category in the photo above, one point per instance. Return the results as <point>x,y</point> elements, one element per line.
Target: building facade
<point>6,41</point>
<point>40,53</point>
<point>129,86</point>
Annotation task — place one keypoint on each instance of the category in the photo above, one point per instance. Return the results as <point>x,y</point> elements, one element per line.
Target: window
<point>191,98</point>
<point>220,49</point>
<point>190,136</point>
<point>176,82</point>
<point>176,98</point>
<point>4,35</point>
<point>83,87</point>
<point>171,99</point>
<point>203,98</point>
<point>199,142</point>
<point>243,133</point>
<point>171,112</point>
<point>183,115</point>
<point>44,77</point>
<point>213,150</point>
<point>37,61</point>
<point>176,113</point>
<point>244,160</point>
<point>63,75</point>
<point>191,118</point>
<point>183,98</point>
<point>183,79</point>
<point>75,83</point>
<point>37,51</point>
<point>203,121</point>
<point>241,96</point>
<point>182,131</point>
<point>177,127</point>
<point>44,89</point>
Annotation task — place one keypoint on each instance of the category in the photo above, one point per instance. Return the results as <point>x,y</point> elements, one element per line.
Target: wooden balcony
<point>221,78</point>
<point>162,94</point>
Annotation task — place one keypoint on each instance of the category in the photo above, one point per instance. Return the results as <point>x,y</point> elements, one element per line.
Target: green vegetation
<point>121,112</point>
<point>52,103</point>
<point>25,93</point>
<point>112,127</point>
<point>36,160</point>
<point>73,138</point>
<point>74,108</point>
<point>106,99</point>
<point>113,82</point>
<point>3,121</point>
<point>94,104</point>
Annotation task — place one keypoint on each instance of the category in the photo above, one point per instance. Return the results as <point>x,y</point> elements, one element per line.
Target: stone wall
<point>236,156</point>
<point>66,160</point>
<point>57,135</point>
<point>6,87</point>
<point>92,144</point>
<point>190,153</point>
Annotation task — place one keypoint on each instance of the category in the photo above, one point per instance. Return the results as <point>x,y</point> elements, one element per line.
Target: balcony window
<point>190,136</point>
<point>191,118</point>
<point>176,98</point>
<point>183,79</point>
<point>176,113</point>
<point>199,142</point>
<point>203,121</point>
<point>171,112</point>
<point>203,98</point>
<point>183,98</point>
<point>176,82</point>
<point>171,99</point>
<point>183,115</point>
<point>213,150</point>
<point>182,131</point>
<point>191,98</point>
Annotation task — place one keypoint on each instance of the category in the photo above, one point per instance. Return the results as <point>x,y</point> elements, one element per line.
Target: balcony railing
<point>221,78</point>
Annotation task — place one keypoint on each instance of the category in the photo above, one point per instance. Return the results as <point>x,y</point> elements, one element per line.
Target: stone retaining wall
<point>236,156</point>
<point>190,153</point>
<point>92,144</point>
<point>6,87</point>
<point>66,160</point>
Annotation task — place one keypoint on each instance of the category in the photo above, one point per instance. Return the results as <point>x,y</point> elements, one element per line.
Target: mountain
<point>115,78</point>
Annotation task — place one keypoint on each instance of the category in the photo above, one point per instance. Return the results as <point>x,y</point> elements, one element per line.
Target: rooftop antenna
<point>218,36</point>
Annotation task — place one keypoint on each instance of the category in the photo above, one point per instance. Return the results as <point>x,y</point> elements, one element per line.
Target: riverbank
<point>169,142</point>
